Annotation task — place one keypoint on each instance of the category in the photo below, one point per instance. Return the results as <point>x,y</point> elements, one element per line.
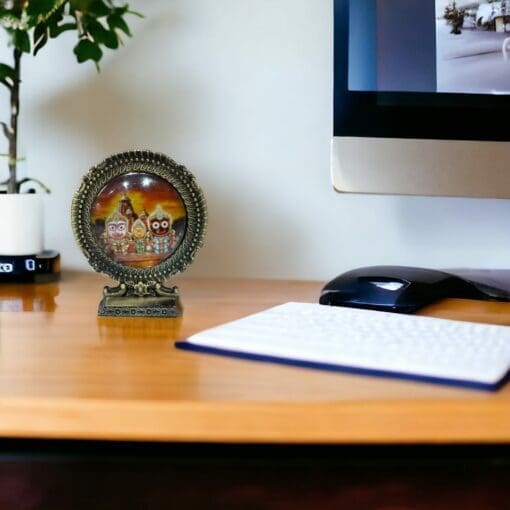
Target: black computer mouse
<point>396,288</point>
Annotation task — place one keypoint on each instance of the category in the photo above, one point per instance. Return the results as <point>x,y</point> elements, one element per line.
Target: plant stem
<point>13,135</point>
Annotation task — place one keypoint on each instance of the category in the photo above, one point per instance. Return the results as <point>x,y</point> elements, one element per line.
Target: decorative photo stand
<point>140,218</point>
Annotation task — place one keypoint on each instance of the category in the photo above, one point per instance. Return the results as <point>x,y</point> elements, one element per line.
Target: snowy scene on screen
<point>473,46</point>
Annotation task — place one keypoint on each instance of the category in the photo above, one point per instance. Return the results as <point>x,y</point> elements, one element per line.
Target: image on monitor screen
<point>430,46</point>
<point>470,46</point>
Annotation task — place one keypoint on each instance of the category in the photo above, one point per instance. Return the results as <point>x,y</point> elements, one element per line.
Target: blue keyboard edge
<point>187,346</point>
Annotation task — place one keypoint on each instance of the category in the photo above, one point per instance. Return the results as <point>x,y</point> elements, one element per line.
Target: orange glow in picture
<point>139,219</point>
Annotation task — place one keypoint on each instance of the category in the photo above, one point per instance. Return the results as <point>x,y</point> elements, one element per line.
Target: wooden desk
<point>65,373</point>
<point>164,426</point>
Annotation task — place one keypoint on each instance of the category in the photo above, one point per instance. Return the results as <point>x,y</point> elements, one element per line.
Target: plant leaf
<point>99,9</point>
<point>39,11</point>
<point>39,32</point>
<point>40,45</point>
<point>81,5</point>
<point>56,29</point>
<point>41,36</point>
<point>7,72</point>
<point>21,40</point>
<point>117,21</point>
<point>136,13</point>
<point>120,9</point>
<point>87,50</point>
<point>103,36</point>
<point>42,7</point>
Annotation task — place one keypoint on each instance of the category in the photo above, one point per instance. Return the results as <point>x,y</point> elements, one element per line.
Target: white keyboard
<point>366,341</point>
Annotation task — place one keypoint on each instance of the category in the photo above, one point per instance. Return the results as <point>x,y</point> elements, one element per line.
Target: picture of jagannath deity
<point>139,219</point>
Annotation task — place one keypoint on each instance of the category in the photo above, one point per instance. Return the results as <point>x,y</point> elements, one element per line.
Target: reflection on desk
<point>28,297</point>
<point>119,330</point>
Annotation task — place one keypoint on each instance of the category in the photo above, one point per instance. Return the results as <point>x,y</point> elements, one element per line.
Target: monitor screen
<point>429,46</point>
<point>422,69</point>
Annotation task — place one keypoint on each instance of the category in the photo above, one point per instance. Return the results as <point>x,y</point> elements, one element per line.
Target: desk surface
<point>65,373</point>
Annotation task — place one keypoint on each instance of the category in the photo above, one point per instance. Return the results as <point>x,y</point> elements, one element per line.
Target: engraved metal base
<point>140,300</point>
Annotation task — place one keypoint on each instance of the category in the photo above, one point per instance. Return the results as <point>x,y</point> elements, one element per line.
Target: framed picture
<point>140,218</point>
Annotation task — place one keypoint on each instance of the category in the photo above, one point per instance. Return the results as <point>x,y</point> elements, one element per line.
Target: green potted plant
<point>29,25</point>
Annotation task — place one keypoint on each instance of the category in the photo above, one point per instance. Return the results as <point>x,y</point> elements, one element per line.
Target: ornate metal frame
<point>141,291</point>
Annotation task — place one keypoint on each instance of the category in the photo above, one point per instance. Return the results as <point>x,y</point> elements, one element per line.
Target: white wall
<point>240,92</point>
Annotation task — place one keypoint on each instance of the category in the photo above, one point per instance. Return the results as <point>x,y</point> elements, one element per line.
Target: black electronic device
<point>402,289</point>
<point>41,268</point>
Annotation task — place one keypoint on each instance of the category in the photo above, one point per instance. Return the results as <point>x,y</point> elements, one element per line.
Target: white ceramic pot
<point>21,224</point>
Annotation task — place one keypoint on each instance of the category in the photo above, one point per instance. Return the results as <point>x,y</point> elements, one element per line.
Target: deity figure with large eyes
<point>116,234</point>
<point>163,236</point>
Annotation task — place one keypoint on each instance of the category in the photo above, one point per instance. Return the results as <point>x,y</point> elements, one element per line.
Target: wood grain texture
<point>65,373</point>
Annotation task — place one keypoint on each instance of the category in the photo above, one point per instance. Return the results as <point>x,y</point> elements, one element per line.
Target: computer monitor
<point>422,97</point>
